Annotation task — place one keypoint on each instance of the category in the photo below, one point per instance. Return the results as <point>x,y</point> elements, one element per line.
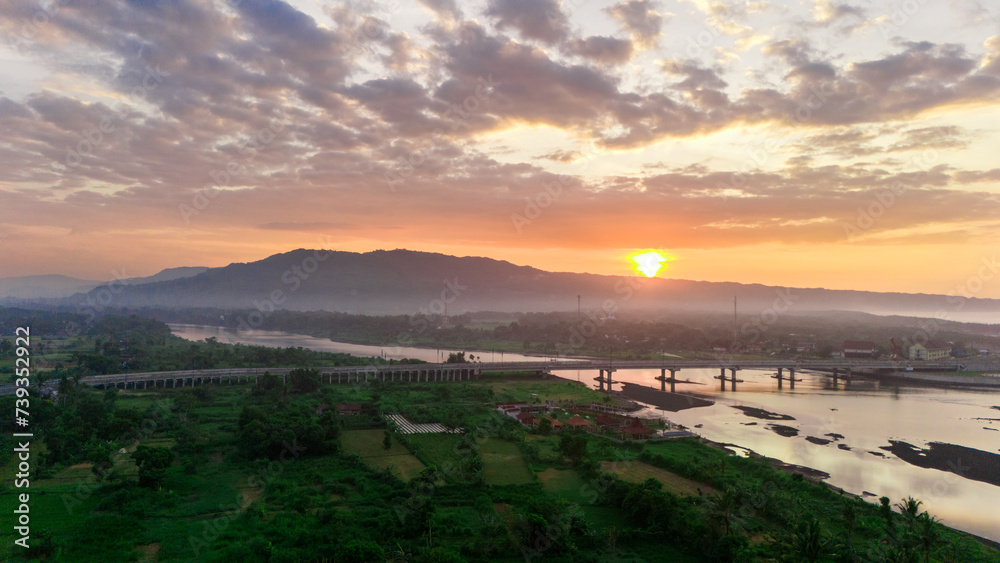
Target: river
<point>277,339</point>
<point>866,413</point>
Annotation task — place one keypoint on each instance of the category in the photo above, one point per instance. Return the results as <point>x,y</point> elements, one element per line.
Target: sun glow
<point>649,263</point>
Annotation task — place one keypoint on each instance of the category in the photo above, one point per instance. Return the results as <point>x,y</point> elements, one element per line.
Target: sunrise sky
<point>811,143</point>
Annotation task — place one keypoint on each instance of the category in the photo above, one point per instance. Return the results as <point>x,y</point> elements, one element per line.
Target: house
<point>859,349</point>
<point>349,410</point>
<point>527,419</point>
<point>636,430</point>
<point>933,350</point>
<point>511,409</point>
<point>321,408</point>
<point>805,347</point>
<point>606,420</point>
<point>578,422</point>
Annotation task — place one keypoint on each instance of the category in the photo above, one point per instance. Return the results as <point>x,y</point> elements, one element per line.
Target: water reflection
<point>278,339</point>
<point>866,413</point>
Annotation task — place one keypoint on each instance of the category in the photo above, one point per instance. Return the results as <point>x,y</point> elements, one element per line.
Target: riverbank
<point>940,379</point>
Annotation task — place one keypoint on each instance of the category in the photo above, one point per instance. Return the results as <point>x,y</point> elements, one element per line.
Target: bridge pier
<point>791,377</point>
<point>722,379</point>
<point>733,371</point>
<point>779,378</point>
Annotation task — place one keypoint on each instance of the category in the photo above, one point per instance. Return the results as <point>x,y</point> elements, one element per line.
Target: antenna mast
<point>736,330</point>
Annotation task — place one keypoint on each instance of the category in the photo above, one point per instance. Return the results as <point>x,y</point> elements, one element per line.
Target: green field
<point>503,463</point>
<point>440,451</point>
<point>368,445</point>
<point>637,472</point>
<point>565,483</point>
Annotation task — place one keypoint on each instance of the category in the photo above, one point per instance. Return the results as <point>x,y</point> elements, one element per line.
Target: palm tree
<point>723,507</point>
<point>808,541</point>
<point>927,532</point>
<point>910,509</point>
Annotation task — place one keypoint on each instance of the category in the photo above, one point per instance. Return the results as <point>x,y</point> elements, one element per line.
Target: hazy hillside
<point>50,286</point>
<point>55,286</point>
<point>402,282</point>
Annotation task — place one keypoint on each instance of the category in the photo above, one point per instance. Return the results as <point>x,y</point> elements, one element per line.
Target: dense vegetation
<point>62,347</point>
<point>272,472</point>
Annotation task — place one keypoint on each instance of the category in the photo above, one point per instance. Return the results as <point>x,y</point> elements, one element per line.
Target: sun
<point>650,263</point>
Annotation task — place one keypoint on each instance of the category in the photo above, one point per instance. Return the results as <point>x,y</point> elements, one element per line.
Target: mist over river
<point>867,414</point>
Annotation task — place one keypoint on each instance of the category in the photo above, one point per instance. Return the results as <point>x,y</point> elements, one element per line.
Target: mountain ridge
<point>405,282</point>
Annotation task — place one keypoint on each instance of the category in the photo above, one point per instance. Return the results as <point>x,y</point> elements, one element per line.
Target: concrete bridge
<point>838,369</point>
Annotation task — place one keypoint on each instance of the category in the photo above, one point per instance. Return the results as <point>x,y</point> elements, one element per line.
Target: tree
<point>910,509</point>
<point>361,551</point>
<point>573,445</point>
<point>885,509</point>
<point>545,426</point>
<point>808,541</point>
<point>304,380</point>
<point>386,440</point>
<point>153,463</point>
<point>927,532</point>
<point>456,358</point>
<point>723,508</point>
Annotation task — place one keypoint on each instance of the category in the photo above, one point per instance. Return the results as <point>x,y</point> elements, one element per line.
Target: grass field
<point>552,389</point>
<point>368,445</point>
<point>565,483</point>
<point>439,450</point>
<point>503,463</point>
<point>637,472</point>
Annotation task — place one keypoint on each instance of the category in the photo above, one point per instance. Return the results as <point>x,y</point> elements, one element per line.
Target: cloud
<point>602,49</point>
<point>641,19</point>
<point>541,20</point>
<point>562,156</point>
<point>827,12</point>
<point>293,122</point>
<point>444,8</point>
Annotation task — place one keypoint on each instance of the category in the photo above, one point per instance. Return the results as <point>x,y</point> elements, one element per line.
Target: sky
<point>805,144</point>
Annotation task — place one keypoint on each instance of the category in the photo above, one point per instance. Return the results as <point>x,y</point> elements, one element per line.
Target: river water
<point>866,413</point>
<point>277,339</point>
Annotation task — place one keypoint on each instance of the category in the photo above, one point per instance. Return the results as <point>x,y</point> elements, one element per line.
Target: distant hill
<point>167,275</point>
<point>406,282</point>
<point>49,287</point>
